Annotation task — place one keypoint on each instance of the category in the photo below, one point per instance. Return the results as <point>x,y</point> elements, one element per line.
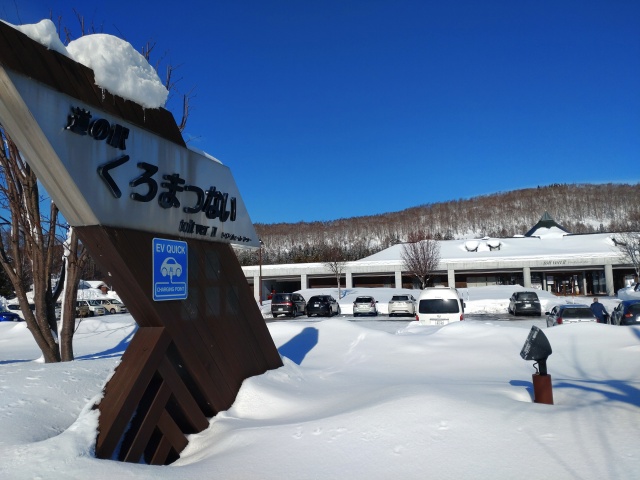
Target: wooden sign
<point>160,219</point>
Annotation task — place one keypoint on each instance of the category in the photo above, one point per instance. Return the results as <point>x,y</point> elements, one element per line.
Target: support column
<point>608,279</point>
<point>348,279</point>
<point>304,281</point>
<point>584,283</point>
<point>256,287</point>
<point>451,277</point>
<point>526,273</point>
<point>398,279</point>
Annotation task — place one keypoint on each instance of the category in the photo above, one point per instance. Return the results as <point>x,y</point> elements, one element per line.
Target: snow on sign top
<point>107,162</point>
<point>117,66</point>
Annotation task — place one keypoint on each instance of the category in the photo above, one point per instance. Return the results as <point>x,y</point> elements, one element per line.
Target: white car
<point>402,305</point>
<point>440,306</point>
<point>111,305</point>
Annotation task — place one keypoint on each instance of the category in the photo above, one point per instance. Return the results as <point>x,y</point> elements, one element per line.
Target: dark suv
<point>322,305</point>
<point>290,304</point>
<point>626,313</point>
<point>525,303</point>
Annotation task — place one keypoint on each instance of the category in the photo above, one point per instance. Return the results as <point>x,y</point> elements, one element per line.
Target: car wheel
<point>294,312</point>
<point>355,314</point>
<point>113,310</point>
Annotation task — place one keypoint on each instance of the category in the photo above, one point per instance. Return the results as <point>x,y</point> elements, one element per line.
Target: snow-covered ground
<point>354,401</point>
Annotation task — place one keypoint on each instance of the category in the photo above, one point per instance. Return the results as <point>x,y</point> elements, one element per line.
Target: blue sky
<point>335,109</point>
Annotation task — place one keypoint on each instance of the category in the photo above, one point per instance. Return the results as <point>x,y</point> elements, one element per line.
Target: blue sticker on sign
<point>170,268</point>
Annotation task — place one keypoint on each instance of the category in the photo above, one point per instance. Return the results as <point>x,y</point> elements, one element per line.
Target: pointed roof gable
<point>546,222</point>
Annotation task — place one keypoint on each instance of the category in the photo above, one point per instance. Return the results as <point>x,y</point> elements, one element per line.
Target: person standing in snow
<point>599,311</point>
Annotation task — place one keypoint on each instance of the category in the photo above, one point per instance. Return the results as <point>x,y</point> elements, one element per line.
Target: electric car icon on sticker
<point>170,267</point>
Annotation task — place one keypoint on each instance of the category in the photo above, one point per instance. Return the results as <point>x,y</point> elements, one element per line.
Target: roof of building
<point>546,226</point>
<point>566,246</point>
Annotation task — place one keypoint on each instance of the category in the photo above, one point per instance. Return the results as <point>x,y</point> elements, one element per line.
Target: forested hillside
<point>580,208</point>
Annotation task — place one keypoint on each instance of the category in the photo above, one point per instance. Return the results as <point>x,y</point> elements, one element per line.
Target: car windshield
<point>437,305</point>
<point>94,303</point>
<point>400,298</point>
<point>577,313</point>
<point>317,299</point>
<point>364,300</point>
<point>527,296</point>
<point>281,297</point>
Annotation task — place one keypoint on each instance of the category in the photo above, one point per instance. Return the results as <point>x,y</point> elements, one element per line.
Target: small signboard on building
<point>170,267</point>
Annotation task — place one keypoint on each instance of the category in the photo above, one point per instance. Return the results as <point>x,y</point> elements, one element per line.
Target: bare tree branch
<point>336,265</point>
<point>628,244</point>
<point>421,258</point>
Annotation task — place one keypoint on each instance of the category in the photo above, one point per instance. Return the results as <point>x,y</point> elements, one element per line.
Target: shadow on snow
<point>298,347</point>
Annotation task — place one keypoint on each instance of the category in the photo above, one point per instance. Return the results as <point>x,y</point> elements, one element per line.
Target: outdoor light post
<point>260,275</point>
<point>538,348</point>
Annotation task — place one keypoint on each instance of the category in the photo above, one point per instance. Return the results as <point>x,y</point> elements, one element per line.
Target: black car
<point>324,305</point>
<point>289,304</point>
<point>525,303</point>
<point>570,313</point>
<point>626,313</point>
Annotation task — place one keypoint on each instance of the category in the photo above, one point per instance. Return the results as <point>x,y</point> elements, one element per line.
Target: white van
<point>439,306</point>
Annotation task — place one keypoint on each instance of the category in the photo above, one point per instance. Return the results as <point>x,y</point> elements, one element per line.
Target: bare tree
<point>336,265</point>
<point>421,257</point>
<point>628,243</point>
<point>31,237</point>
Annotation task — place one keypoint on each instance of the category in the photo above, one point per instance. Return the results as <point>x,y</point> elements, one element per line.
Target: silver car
<point>402,305</point>
<point>112,305</point>
<point>365,306</point>
<point>572,313</point>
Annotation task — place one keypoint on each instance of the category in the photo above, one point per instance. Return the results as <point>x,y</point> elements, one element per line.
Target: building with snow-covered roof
<point>547,257</point>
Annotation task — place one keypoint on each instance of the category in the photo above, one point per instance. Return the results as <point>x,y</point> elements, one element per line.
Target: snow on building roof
<point>542,247</point>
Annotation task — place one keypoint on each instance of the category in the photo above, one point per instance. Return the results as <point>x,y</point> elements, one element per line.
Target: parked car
<point>111,305</point>
<point>290,304</point>
<point>15,308</point>
<point>82,309</point>
<point>95,308</point>
<point>324,305</point>
<point>9,316</point>
<point>626,313</point>
<point>573,313</point>
<point>365,305</point>
<point>402,305</point>
<point>439,306</point>
<point>525,303</point>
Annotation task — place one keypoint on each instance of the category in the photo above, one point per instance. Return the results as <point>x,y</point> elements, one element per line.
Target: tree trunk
<point>75,258</point>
